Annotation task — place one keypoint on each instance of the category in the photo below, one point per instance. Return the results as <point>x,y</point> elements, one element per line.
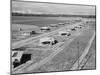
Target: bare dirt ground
<point>64,60</point>
<point>90,58</point>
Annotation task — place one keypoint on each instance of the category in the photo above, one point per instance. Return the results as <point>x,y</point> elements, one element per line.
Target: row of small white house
<point>53,25</point>
<point>51,40</point>
<point>46,28</point>
<point>23,34</point>
<point>47,40</point>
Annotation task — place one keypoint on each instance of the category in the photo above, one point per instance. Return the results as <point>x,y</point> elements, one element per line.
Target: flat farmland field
<point>66,58</point>
<point>91,56</point>
<point>30,23</point>
<point>43,59</point>
<point>39,21</point>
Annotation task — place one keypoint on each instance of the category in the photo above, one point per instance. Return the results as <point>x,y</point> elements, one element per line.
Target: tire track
<point>75,66</point>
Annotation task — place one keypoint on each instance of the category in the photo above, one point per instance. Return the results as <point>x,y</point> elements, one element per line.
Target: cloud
<point>48,8</point>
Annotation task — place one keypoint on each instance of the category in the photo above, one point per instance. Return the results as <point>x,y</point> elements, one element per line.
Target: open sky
<point>51,8</point>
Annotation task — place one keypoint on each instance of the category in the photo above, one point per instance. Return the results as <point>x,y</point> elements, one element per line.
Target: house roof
<point>46,39</point>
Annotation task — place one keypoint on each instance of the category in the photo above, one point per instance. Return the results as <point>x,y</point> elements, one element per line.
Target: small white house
<point>68,30</point>
<point>53,25</point>
<point>44,28</point>
<point>23,34</point>
<point>61,23</point>
<point>17,55</point>
<point>64,33</point>
<point>46,41</point>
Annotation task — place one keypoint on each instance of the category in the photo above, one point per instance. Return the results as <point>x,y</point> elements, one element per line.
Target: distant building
<point>19,57</point>
<point>33,32</point>
<point>68,30</point>
<point>23,34</point>
<point>67,23</point>
<point>53,25</point>
<point>79,26</point>
<point>16,55</point>
<point>61,23</point>
<point>20,29</point>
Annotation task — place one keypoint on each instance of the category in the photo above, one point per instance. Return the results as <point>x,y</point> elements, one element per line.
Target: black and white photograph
<point>52,37</point>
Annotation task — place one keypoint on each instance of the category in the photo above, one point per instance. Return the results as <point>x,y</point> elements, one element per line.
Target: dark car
<point>55,42</point>
<point>73,29</point>
<point>33,32</point>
